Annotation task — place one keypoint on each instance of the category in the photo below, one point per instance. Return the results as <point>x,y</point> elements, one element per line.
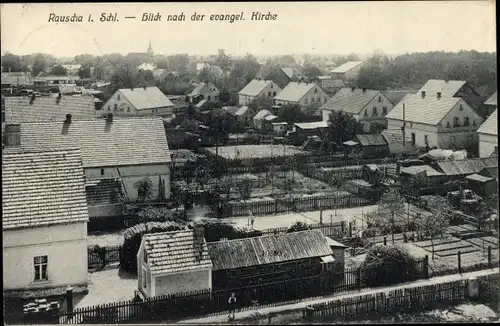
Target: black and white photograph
<point>251,163</point>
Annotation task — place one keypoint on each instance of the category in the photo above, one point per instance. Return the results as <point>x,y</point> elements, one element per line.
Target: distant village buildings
<point>348,71</point>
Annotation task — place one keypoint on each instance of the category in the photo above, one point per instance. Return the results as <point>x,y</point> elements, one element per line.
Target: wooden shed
<point>372,145</point>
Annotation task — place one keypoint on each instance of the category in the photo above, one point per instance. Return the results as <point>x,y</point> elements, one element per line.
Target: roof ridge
<point>22,150</point>
<point>97,120</point>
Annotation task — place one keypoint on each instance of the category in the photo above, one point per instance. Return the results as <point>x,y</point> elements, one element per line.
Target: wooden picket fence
<point>304,204</point>
<point>206,302</point>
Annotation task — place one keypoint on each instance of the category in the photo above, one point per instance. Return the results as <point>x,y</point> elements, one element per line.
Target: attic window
<point>315,90</point>
<point>447,124</point>
<point>305,101</point>
<point>271,85</point>
<point>118,97</point>
<point>366,113</point>
<point>102,171</point>
<point>473,122</point>
<point>461,107</point>
<point>380,98</point>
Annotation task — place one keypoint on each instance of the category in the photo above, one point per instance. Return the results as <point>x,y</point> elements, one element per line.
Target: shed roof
<point>346,66</point>
<point>416,169</point>
<point>174,252</point>
<point>490,126</point>
<point>42,188</point>
<point>18,109</point>
<point>312,125</point>
<point>294,92</point>
<point>144,98</point>
<point>255,87</point>
<point>333,243</point>
<point>464,167</point>
<point>492,100</point>
<point>371,140</point>
<point>122,142</point>
<point>349,100</point>
<point>478,178</point>
<point>269,249</point>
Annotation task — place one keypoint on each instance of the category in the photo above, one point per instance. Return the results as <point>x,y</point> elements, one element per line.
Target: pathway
<point>223,318</point>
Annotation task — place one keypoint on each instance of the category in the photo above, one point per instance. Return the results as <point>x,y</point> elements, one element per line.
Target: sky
<point>300,27</point>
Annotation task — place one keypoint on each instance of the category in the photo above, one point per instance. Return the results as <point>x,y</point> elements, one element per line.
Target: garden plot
<point>254,151</point>
<point>447,247</point>
<point>484,242</point>
<point>439,241</point>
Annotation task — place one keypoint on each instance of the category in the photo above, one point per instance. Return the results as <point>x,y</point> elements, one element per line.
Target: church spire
<point>150,49</point>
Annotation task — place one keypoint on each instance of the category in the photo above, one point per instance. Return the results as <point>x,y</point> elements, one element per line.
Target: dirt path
<point>301,305</point>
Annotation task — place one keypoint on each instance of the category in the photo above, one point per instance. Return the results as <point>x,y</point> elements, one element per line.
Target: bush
<point>214,231</point>
<point>298,226</point>
<point>385,265</point>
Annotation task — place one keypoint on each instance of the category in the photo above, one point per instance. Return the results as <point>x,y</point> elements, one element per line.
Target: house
<point>435,121</point>
<point>258,88</point>
<point>16,79</point>
<point>488,136</point>
<point>303,130</point>
<point>427,176</point>
<point>132,149</point>
<point>269,258</point>
<point>204,91</point>
<point>280,128</point>
<point>372,145</point>
<point>491,104</point>
<point>258,119</point>
<point>244,114</point>
<point>19,109</point>
<point>482,185</point>
<point>302,94</point>
<point>72,70</point>
<point>338,250</point>
<point>367,106</point>
<point>454,88</point>
<point>347,71</point>
<point>138,102</point>
<point>280,76</point>
<point>173,262</point>
<point>55,80</point>
<point>44,222</point>
<point>104,199</point>
<point>330,85</point>
<point>268,121</point>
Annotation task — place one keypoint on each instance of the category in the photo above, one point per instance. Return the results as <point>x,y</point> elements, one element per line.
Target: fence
<point>99,257</point>
<point>306,204</point>
<point>489,290</point>
<point>332,230</point>
<point>206,302</point>
<point>406,300</point>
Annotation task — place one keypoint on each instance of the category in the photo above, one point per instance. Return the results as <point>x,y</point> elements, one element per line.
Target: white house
<point>173,262</point>
<point>132,149</point>
<point>367,106</point>
<point>44,222</point>
<point>258,88</point>
<point>436,121</point>
<point>488,136</point>
<point>302,94</point>
<point>347,71</point>
<point>204,91</point>
<point>143,101</point>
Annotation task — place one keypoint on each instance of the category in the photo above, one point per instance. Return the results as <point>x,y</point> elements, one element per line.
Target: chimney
<point>364,90</point>
<point>110,117</point>
<point>199,238</point>
<point>68,118</point>
<point>438,95</point>
<point>353,88</point>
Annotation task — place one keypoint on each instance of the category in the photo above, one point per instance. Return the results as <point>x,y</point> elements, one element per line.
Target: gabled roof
<point>199,88</point>
<point>350,101</point>
<point>104,191</point>
<point>447,88</point>
<point>290,72</point>
<point>174,252</point>
<point>416,169</point>
<point>396,96</point>
<point>262,114</point>
<point>122,142</point>
<point>255,87</point>
<point>464,167</point>
<point>346,67</point>
<point>492,100</point>
<point>490,171</point>
<point>242,110</point>
<point>490,126</point>
<point>144,98</point>
<point>371,140</point>
<point>429,110</point>
<point>42,188</point>
<point>18,109</point>
<point>294,92</point>
<point>311,125</point>
<point>269,249</point>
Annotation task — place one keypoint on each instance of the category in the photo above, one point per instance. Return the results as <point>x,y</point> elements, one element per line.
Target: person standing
<point>232,305</point>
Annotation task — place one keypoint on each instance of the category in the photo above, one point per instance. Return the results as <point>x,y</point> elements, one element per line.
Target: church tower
<point>150,52</point>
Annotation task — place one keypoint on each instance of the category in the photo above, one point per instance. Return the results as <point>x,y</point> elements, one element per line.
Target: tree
<point>342,127</point>
<point>287,61</point>
<point>224,96</point>
<point>223,60</point>
<point>298,226</point>
<point>39,64</point>
<point>145,78</point>
<point>311,71</point>
<point>58,71</point>
<point>433,225</point>
<point>356,154</point>
<point>145,189</point>
<point>84,71</point>
<point>391,208</point>
<point>244,187</point>
<point>123,76</point>
<point>12,63</point>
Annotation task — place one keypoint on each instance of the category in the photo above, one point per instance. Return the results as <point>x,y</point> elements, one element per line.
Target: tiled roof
<point>416,169</point>
<point>447,88</point>
<point>18,109</point>
<point>103,191</point>
<point>371,140</point>
<point>294,92</point>
<point>122,142</point>
<point>290,72</point>
<point>175,251</point>
<point>255,87</point>
<point>198,89</point>
<point>270,249</point>
<point>492,100</point>
<point>312,125</point>
<point>242,110</point>
<point>262,114</point>
<point>395,96</point>
<point>144,98</point>
<point>464,167</point>
<point>347,66</point>
<point>490,126</point>
<point>429,110</point>
<point>350,101</point>
<point>42,188</point>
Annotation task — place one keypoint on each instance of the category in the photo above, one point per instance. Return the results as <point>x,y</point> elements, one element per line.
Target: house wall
<point>367,117</point>
<point>143,271</point>
<point>65,246</point>
<point>105,210</point>
<point>470,96</point>
<point>420,130</point>
<point>270,91</point>
<point>487,144</point>
<point>315,96</point>
<point>208,94</point>
<point>131,174</point>
<point>125,108</point>
<point>460,136</point>
<point>183,282</point>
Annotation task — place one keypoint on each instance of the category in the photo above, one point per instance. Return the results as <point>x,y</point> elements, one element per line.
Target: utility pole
<point>403,128</point>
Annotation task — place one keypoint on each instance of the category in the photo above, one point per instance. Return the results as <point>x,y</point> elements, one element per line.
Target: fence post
<point>459,263</point>
<point>275,207</point>
<point>69,301</point>
<point>426,267</point>
<point>350,229</point>
<point>385,241</point>
<point>103,255</point>
<point>320,216</point>
<point>490,265</point>
<point>358,278</point>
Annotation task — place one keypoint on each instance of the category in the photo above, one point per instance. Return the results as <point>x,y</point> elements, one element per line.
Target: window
<point>208,97</point>
<point>447,124</point>
<point>109,107</point>
<point>384,110</point>
<point>473,122</point>
<point>118,97</point>
<point>40,264</point>
<point>324,100</point>
<point>456,121</point>
<point>271,85</point>
<point>426,140</point>
<point>115,107</point>
<point>471,137</point>
<point>144,279</point>
<point>274,93</point>
<point>466,121</point>
<point>305,101</point>
<point>366,113</point>
<point>102,171</point>
<point>315,90</point>
<point>145,257</point>
<point>215,98</point>
<point>128,109</point>
<point>268,93</point>
<point>461,107</point>
<point>375,110</point>
<point>380,98</point>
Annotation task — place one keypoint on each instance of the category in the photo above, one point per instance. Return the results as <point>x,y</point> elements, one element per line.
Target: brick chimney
<point>423,94</point>
<point>109,117</point>
<point>199,238</point>
<point>68,118</point>
<point>438,95</point>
